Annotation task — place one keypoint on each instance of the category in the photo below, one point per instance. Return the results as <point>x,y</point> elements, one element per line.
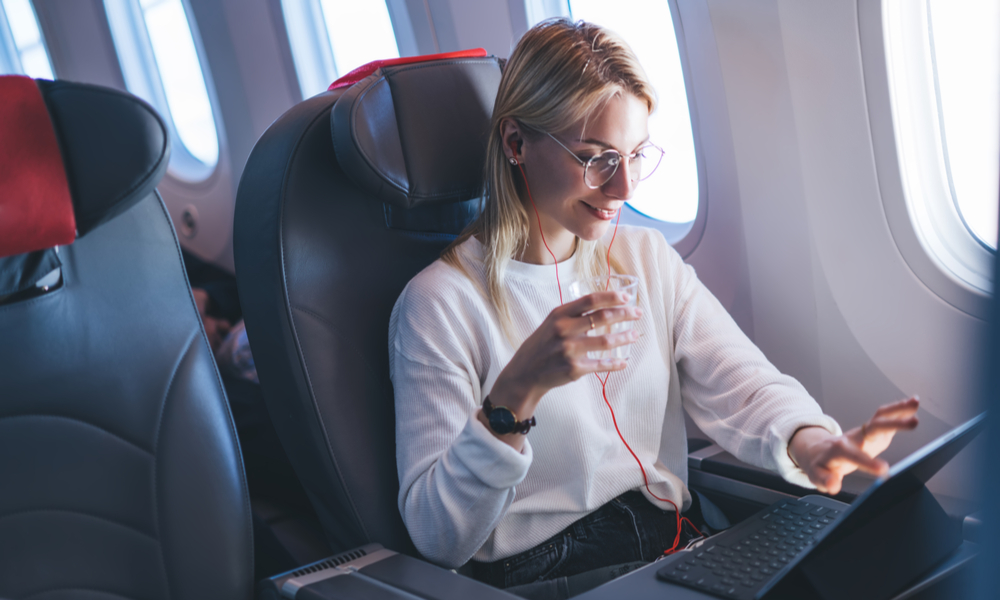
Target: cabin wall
<point>797,245</point>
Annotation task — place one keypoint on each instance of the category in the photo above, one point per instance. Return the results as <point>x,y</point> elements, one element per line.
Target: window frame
<point>312,54</point>
<point>142,77</point>
<point>920,209</point>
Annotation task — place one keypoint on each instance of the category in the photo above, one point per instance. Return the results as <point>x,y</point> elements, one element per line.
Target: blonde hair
<point>560,74</point>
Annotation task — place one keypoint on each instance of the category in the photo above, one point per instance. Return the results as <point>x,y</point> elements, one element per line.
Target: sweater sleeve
<point>729,388</point>
<point>456,479</point>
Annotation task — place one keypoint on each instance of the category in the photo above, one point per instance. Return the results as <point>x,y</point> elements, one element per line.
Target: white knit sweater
<point>464,494</point>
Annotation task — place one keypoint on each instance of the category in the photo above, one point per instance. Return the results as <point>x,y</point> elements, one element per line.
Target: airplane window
<point>22,48</point>
<point>672,193</point>
<point>159,60</point>
<point>329,38</point>
<point>942,58</point>
<point>965,42</point>
<point>359,32</point>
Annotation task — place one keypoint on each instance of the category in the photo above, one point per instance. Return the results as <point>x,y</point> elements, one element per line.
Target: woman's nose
<point>621,185</point>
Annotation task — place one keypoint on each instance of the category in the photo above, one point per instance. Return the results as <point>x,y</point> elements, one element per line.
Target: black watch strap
<point>502,420</point>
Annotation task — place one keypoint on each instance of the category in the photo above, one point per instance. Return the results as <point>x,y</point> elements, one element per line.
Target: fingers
<point>902,408</point>
<point>578,360</point>
<point>826,481</point>
<point>573,326</point>
<point>840,458</point>
<point>610,316</point>
<point>606,342</point>
<point>875,435</point>
<point>593,311</point>
<point>890,418</point>
<point>883,425</point>
<point>586,366</point>
<point>592,302</point>
<point>858,448</point>
<point>844,451</point>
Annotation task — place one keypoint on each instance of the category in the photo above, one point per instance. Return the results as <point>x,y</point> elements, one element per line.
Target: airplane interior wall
<point>796,242</point>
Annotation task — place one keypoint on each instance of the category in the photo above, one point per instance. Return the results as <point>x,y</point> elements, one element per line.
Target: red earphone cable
<point>555,262</point>
<point>604,382</point>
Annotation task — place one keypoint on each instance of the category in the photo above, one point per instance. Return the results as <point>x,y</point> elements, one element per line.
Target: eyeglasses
<point>599,169</point>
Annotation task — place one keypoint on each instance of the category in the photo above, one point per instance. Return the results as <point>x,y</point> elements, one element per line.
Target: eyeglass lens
<point>601,168</point>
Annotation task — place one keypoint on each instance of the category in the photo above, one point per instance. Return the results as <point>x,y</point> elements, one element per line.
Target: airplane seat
<point>343,200</point>
<point>120,467</point>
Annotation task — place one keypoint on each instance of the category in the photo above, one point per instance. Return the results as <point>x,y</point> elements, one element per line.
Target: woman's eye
<point>606,158</point>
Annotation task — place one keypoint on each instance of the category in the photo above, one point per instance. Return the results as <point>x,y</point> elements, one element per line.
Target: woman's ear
<point>510,133</point>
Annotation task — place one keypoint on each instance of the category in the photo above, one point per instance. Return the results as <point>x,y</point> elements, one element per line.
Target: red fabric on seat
<point>36,211</point>
<point>365,70</point>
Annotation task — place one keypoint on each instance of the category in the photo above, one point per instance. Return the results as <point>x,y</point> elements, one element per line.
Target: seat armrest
<point>374,572</point>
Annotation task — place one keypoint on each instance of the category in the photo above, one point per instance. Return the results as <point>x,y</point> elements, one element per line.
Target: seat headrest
<point>83,153</point>
<point>36,211</point>
<point>416,134</point>
<point>367,69</point>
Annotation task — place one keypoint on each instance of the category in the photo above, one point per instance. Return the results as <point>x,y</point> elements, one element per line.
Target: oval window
<point>160,62</point>
<point>942,59</point>
<point>329,38</point>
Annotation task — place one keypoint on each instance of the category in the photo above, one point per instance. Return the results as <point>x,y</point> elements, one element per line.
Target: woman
<point>485,330</point>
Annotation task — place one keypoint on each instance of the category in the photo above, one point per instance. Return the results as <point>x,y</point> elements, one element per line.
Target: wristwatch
<point>502,420</point>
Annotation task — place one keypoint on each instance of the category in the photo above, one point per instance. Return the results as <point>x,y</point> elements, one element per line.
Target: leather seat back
<point>121,473</point>
<point>344,199</point>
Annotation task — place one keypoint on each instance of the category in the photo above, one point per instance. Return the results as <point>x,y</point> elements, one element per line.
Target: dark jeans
<point>625,531</point>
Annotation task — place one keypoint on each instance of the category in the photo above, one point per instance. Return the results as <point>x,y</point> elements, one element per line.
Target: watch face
<point>502,420</point>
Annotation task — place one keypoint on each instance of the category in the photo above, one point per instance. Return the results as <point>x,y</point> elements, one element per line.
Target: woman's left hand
<point>827,458</point>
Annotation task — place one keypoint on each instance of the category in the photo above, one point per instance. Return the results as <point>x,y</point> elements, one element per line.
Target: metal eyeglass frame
<point>586,163</point>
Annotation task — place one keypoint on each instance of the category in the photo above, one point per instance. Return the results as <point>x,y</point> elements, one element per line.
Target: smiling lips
<point>605,214</point>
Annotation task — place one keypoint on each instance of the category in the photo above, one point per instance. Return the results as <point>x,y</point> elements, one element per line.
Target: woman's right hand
<point>556,353</point>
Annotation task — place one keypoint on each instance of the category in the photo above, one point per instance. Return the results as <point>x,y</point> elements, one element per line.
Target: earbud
<point>512,160</point>
<point>513,148</point>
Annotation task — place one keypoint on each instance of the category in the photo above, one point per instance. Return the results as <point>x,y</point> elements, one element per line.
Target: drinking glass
<point>626,284</point>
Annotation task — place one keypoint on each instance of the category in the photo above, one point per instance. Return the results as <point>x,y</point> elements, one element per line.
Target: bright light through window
<point>330,38</point>
<point>965,38</point>
<point>182,77</point>
<point>538,10</point>
<point>360,31</point>
<point>671,194</point>
<point>26,55</point>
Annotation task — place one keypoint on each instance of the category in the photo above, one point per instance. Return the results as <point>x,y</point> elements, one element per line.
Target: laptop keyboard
<point>741,561</point>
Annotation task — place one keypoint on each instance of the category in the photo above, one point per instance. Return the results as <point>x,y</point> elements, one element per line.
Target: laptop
<point>819,547</point>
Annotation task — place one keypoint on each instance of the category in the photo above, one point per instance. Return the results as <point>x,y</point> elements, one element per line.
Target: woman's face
<point>567,206</point>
